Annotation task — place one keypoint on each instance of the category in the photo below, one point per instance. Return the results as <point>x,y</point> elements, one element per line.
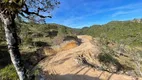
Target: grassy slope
<point>127,32</point>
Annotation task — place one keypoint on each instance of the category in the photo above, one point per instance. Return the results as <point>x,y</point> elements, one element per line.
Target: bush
<point>107,59</point>
<point>40,44</point>
<point>58,40</point>
<point>52,33</point>
<point>8,73</point>
<point>28,40</point>
<point>114,57</point>
<point>68,38</point>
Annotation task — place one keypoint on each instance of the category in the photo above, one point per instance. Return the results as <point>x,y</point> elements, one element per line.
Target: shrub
<point>8,73</point>
<point>40,44</point>
<point>114,58</point>
<point>58,39</point>
<point>28,40</point>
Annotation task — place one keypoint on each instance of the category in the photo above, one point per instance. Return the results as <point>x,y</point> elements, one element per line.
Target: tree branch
<point>26,11</point>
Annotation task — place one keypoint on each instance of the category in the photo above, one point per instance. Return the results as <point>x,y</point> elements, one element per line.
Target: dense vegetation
<point>128,32</point>
<point>119,58</point>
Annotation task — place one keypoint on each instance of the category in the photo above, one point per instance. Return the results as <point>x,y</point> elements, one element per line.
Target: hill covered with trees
<point>128,32</point>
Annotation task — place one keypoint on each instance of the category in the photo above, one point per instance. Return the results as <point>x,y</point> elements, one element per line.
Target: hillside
<point>127,32</point>
<point>110,54</point>
<point>39,30</point>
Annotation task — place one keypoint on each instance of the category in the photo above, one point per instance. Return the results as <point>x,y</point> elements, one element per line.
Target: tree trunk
<point>12,42</point>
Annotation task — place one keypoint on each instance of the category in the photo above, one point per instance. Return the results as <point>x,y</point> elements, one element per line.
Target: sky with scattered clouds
<point>82,13</point>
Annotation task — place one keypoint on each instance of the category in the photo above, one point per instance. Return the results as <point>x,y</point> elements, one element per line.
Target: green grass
<point>8,73</point>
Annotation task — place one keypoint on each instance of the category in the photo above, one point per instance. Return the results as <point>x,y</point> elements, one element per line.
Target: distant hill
<point>128,32</point>
<point>137,20</point>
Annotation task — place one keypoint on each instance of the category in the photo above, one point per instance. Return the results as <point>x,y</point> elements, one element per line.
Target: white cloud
<point>72,12</point>
<point>129,6</point>
<point>127,9</point>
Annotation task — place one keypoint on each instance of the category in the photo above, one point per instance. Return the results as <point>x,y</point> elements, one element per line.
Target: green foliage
<point>28,40</point>
<point>45,29</point>
<point>8,73</point>
<point>12,5</point>
<point>107,59</point>
<point>116,57</point>
<point>127,32</point>
<point>28,32</point>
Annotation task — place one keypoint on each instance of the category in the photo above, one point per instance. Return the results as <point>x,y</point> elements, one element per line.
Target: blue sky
<point>80,13</point>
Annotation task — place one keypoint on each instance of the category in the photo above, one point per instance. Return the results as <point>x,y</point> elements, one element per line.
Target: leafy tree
<point>33,10</point>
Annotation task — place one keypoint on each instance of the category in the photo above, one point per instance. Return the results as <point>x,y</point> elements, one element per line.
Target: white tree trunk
<point>12,42</point>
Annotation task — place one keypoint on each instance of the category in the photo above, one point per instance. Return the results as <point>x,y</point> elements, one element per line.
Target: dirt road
<point>64,65</point>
